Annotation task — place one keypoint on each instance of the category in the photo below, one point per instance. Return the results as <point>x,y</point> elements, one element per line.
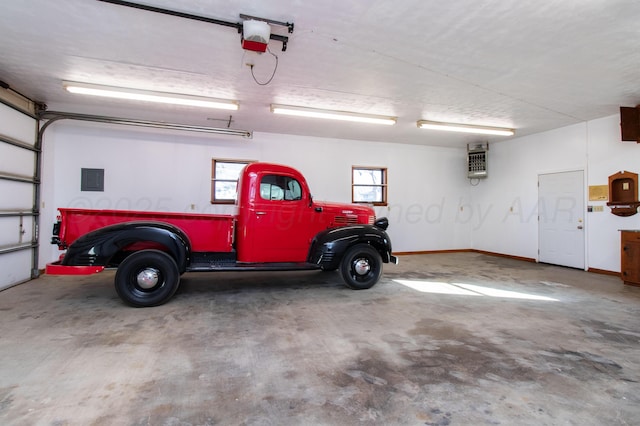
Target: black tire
<point>147,278</point>
<point>361,267</point>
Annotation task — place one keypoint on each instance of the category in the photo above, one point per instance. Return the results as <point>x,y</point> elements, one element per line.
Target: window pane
<point>293,191</point>
<point>269,188</point>
<point>369,185</point>
<point>225,175</point>
<point>367,194</point>
<point>367,176</point>
<point>228,171</point>
<point>225,190</point>
<point>273,187</point>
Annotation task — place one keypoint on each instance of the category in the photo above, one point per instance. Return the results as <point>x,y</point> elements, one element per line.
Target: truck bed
<point>207,233</point>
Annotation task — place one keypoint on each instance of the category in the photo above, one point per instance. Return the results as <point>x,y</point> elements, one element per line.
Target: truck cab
<point>277,217</point>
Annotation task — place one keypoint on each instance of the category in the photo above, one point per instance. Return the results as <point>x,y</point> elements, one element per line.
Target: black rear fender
<point>110,245</point>
<point>329,246</point>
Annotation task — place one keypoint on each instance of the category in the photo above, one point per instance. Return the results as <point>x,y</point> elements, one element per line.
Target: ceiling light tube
<point>332,115</point>
<point>149,96</point>
<point>465,128</point>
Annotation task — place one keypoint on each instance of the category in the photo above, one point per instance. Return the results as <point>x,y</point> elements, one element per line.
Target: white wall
<point>607,156</point>
<point>594,147</point>
<point>505,203</point>
<point>432,206</point>
<point>148,169</point>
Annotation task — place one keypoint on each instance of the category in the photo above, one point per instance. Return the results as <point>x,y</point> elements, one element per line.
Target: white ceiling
<point>532,66</point>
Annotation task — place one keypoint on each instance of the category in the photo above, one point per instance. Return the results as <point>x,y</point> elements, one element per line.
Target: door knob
<point>579,226</point>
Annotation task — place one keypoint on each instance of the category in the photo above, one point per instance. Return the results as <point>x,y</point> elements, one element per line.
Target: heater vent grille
<point>477,160</point>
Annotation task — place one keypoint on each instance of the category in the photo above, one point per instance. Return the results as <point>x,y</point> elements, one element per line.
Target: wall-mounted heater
<point>477,160</point>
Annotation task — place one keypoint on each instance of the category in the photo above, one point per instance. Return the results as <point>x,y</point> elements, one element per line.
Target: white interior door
<point>561,218</point>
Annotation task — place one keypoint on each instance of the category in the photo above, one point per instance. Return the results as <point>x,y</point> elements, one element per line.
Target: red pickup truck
<point>277,226</point>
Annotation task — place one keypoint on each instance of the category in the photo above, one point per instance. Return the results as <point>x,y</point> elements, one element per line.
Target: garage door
<point>18,209</point>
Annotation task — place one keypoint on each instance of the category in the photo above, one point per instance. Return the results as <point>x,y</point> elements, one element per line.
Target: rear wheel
<point>147,278</point>
<point>361,267</point>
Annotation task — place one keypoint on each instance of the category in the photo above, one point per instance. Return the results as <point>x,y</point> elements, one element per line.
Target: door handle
<point>579,226</point>
<point>261,213</point>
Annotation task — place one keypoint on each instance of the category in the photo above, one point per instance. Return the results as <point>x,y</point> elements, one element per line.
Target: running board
<point>234,266</point>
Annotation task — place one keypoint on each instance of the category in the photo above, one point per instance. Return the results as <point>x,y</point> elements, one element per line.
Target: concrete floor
<point>554,346</point>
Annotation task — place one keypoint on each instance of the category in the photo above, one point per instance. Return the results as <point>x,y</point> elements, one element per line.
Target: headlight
<point>382,223</point>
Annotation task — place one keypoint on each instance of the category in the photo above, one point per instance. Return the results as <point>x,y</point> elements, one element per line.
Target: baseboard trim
<point>604,272</point>
<point>488,253</point>
<point>409,253</point>
<point>508,256</point>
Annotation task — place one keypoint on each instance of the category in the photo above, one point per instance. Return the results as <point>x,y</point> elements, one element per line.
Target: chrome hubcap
<point>148,278</point>
<point>362,267</point>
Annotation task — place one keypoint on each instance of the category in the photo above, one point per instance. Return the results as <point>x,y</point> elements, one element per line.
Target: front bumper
<point>55,268</point>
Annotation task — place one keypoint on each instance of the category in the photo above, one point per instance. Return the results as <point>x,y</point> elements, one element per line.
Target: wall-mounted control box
<point>477,160</point>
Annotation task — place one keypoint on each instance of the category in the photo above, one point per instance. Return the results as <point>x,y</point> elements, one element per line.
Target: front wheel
<point>147,278</point>
<point>361,267</point>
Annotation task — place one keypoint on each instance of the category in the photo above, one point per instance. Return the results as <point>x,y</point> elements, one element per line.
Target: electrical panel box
<point>477,160</point>
<point>92,180</point>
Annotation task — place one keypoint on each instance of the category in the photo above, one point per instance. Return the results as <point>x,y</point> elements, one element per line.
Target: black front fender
<point>100,247</point>
<point>328,247</point>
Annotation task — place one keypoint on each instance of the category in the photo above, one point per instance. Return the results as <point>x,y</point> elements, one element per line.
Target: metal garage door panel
<point>16,161</point>
<point>17,125</point>
<point>18,158</point>
<point>12,234</point>
<point>16,196</point>
<point>15,267</point>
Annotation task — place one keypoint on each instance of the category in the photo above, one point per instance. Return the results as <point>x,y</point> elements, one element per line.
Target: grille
<point>346,220</point>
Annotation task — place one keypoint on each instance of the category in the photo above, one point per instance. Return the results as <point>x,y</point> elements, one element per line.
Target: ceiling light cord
<point>272,75</point>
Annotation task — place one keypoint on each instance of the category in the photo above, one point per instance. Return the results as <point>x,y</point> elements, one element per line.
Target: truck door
<point>280,221</point>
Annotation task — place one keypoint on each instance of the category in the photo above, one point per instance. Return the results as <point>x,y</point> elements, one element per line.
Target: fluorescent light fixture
<point>53,116</point>
<point>332,115</point>
<point>465,128</point>
<point>149,96</point>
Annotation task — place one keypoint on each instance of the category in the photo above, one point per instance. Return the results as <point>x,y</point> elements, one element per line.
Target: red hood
<point>346,214</point>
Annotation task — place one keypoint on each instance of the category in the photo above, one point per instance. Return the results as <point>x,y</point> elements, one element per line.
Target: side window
<point>224,180</point>
<point>369,185</point>
<point>279,188</point>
